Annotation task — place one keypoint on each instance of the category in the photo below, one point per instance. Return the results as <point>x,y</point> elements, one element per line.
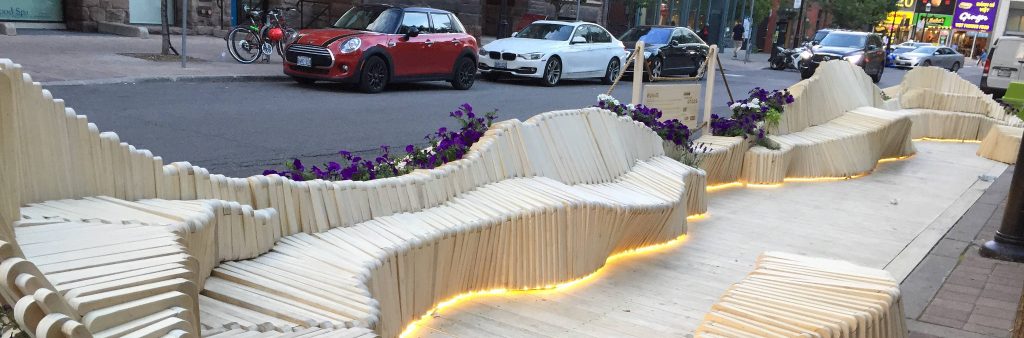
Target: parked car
<point>374,45</point>
<point>928,56</point>
<point>667,50</point>
<point>554,50</point>
<point>859,48</point>
<point>1002,65</point>
<point>890,59</point>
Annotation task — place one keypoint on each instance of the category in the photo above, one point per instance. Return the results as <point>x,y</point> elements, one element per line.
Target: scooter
<point>786,58</point>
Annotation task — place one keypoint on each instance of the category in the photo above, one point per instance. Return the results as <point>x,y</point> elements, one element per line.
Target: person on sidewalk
<point>705,32</point>
<point>737,39</point>
<point>983,57</point>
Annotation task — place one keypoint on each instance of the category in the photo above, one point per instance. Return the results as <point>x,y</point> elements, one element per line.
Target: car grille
<point>495,55</point>
<point>508,56</point>
<point>320,56</point>
<point>823,58</point>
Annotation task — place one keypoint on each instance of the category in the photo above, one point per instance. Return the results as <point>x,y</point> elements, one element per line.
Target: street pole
<point>751,37</point>
<point>1008,244</point>
<point>578,10</point>
<point>799,35</point>
<point>184,33</point>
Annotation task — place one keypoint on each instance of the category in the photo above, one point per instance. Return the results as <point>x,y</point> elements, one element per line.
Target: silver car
<point>929,56</point>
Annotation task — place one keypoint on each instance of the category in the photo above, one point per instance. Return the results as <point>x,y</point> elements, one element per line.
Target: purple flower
<point>410,149</point>
<point>297,165</point>
<point>333,166</point>
<point>270,172</point>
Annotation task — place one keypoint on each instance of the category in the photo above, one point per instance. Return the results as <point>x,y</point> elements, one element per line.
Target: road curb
<point>174,78</point>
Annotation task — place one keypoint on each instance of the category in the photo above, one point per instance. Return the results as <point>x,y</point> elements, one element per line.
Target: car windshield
<point>844,40</point>
<point>925,50</point>
<point>820,35</point>
<point>649,35</point>
<point>546,31</point>
<point>378,19</point>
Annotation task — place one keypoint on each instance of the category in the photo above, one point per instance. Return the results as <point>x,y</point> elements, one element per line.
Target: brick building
<point>481,17</point>
<point>784,21</point>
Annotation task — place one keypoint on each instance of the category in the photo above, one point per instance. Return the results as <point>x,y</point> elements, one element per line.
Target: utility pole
<point>751,37</point>
<point>798,35</point>
<point>1008,244</point>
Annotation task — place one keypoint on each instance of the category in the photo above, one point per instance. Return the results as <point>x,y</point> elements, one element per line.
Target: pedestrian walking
<point>983,57</point>
<point>705,32</point>
<point>737,39</point>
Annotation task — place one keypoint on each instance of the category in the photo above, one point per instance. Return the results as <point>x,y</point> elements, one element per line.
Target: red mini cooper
<point>373,45</point>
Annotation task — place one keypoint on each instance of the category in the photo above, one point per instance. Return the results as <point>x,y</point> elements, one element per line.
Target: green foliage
<point>857,14</point>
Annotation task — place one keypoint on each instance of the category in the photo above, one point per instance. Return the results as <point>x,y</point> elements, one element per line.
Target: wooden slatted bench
<point>835,128</point>
<point>1001,144</point>
<point>945,106</point>
<point>100,238</point>
<point>796,296</point>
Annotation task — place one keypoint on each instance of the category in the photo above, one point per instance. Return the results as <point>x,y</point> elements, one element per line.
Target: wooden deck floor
<point>889,219</point>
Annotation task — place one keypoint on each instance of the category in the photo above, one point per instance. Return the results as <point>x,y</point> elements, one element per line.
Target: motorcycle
<point>786,58</point>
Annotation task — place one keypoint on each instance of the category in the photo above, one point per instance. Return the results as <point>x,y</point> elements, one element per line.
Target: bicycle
<point>247,43</point>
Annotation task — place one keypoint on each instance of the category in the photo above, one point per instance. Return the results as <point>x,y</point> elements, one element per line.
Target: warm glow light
<point>696,217</point>
<point>894,159</point>
<point>764,186</point>
<point>723,186</point>
<point>929,139</point>
<point>823,179</point>
<point>655,248</point>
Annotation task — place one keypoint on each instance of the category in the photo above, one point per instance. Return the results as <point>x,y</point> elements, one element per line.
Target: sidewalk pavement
<point>954,292</point>
<point>63,57</point>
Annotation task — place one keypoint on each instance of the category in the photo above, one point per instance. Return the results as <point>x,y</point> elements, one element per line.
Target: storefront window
<point>31,10</point>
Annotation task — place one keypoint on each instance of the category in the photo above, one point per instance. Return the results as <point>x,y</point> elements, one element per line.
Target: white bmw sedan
<point>555,50</point>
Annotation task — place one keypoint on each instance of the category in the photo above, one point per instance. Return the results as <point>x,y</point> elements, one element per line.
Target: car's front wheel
<point>552,72</point>
<point>464,74</point>
<point>654,71</point>
<point>955,67</point>
<point>612,73</point>
<point>878,75</point>
<point>374,77</point>
<point>806,74</point>
<point>927,63</point>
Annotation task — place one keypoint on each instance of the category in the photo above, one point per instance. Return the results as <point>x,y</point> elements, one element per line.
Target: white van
<point>1005,64</point>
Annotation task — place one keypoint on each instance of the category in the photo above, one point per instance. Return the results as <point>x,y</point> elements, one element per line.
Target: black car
<point>862,49</point>
<point>667,50</point>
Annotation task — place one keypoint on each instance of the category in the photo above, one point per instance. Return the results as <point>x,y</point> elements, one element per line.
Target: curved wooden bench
<point>795,296</point>
<point>945,106</point>
<point>532,204</point>
<point>1001,144</point>
<point>834,128</point>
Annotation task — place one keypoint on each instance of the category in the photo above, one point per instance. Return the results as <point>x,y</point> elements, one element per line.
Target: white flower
<point>630,106</point>
<point>755,101</point>
<point>734,105</point>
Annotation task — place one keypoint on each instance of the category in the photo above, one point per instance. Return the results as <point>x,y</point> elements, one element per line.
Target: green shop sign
<point>933,20</point>
<point>31,10</point>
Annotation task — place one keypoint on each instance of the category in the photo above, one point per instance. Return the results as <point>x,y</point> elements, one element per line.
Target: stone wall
<point>83,15</point>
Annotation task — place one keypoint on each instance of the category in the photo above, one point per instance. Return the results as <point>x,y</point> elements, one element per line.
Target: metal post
<point>974,43</point>
<point>751,38</point>
<point>184,32</point>
<point>503,24</point>
<point>798,34</point>
<point>638,73</point>
<point>1008,244</point>
<point>578,10</point>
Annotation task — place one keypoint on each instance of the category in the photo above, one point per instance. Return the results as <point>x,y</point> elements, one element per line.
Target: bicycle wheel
<point>244,45</point>
<point>281,44</point>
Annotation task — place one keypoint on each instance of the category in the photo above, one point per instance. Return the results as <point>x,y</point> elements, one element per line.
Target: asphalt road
<point>239,129</point>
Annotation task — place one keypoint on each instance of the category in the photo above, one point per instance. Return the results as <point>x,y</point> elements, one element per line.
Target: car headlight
<point>854,59</point>
<point>482,52</point>
<point>806,54</point>
<point>351,45</point>
<point>532,56</point>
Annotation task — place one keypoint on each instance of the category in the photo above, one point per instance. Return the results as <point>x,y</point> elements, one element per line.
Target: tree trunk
<point>165,31</point>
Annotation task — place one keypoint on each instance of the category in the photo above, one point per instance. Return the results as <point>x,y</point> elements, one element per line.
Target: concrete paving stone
<point>966,268</point>
<point>959,314</point>
<point>921,335</point>
<point>1001,304</point>
<point>993,312</point>
<point>934,330</point>
<point>954,323</point>
<point>997,294</point>
<point>949,248</point>
<point>985,330</point>
<point>993,322</point>
<point>1009,270</point>
<point>967,290</point>
<point>967,228</point>
<point>1012,290</point>
<point>962,297</point>
<point>1004,281</point>
<point>969,281</point>
<point>972,258</point>
<point>925,280</point>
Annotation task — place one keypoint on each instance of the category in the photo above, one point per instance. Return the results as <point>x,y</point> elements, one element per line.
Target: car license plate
<point>304,61</point>
<point>501,64</point>
<point>1003,73</point>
